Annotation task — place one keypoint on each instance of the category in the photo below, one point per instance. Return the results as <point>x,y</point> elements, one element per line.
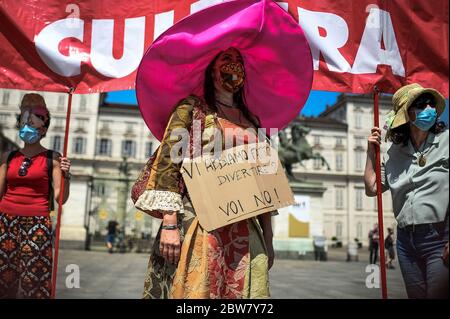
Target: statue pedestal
<point>296,225</point>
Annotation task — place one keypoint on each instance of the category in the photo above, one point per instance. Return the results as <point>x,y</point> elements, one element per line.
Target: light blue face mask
<point>425,119</point>
<point>29,134</point>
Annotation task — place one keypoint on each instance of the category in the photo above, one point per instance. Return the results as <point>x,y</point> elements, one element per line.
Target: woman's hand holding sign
<point>170,242</point>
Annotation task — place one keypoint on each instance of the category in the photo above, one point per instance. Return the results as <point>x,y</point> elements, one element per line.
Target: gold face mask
<point>232,76</point>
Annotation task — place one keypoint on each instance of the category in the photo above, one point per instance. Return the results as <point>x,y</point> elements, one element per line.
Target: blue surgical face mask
<point>29,134</point>
<point>425,119</point>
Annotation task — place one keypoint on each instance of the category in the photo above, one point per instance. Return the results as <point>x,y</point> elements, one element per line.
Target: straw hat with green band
<point>403,99</point>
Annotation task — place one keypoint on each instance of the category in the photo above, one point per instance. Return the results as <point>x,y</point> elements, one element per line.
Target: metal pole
<point>87,244</point>
<point>122,205</point>
<point>376,113</point>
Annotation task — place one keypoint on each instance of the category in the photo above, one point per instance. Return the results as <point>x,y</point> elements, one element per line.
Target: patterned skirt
<point>228,263</point>
<point>25,257</point>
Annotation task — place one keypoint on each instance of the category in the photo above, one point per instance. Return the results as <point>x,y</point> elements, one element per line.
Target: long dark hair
<point>401,134</point>
<point>238,97</point>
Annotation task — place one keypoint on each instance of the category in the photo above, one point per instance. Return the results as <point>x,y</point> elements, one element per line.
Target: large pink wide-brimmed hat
<point>277,60</point>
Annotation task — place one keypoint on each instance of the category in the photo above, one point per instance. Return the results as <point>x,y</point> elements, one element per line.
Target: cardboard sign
<point>243,182</point>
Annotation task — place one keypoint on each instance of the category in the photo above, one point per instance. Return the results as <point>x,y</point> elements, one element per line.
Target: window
<point>100,189</point>
<point>317,163</point>
<point>359,141</point>
<point>57,143</point>
<point>358,118</point>
<point>104,125</point>
<point>59,122</point>
<point>128,148</point>
<point>148,149</point>
<point>339,197</point>
<point>4,118</point>
<point>316,140</point>
<point>79,145</point>
<point>339,162</point>
<point>359,230</point>
<point>375,203</point>
<point>359,198</point>
<point>130,126</point>
<point>339,229</point>
<point>5,98</point>
<point>359,156</point>
<point>82,124</point>
<point>83,103</point>
<point>61,102</point>
<point>104,147</point>
<point>339,141</point>
<point>21,96</point>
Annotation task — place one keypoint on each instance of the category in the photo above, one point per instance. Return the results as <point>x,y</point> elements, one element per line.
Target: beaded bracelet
<point>169,227</point>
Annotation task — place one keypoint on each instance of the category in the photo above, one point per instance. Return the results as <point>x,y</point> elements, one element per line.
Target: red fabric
<point>420,32</point>
<point>27,195</point>
<point>229,257</point>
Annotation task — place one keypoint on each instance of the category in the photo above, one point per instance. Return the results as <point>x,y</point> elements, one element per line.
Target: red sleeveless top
<point>27,195</point>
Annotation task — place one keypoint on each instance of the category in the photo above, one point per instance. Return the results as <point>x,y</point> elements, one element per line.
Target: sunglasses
<point>37,120</point>
<point>423,101</point>
<point>23,170</point>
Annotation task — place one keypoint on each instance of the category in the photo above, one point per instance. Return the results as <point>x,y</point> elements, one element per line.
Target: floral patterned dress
<point>230,262</point>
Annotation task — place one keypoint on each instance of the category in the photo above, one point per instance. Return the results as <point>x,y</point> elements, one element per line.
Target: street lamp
<point>124,172</point>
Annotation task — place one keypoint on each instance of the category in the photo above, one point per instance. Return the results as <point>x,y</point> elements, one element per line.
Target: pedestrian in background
<point>373,244</point>
<point>319,248</point>
<point>389,246</point>
<point>112,234</point>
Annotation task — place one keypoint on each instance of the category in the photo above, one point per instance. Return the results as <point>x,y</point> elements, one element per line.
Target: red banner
<point>96,45</point>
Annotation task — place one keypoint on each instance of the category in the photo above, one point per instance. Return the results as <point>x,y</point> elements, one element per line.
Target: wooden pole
<point>60,199</point>
<point>376,113</point>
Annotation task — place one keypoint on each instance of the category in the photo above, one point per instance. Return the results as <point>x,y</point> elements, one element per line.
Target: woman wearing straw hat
<point>415,170</point>
<point>29,182</point>
<point>239,64</point>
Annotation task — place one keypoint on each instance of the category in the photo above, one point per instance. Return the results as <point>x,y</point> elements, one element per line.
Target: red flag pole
<point>376,113</point>
<point>60,199</point>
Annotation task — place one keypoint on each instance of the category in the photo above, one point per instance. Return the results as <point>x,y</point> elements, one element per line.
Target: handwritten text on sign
<point>245,181</point>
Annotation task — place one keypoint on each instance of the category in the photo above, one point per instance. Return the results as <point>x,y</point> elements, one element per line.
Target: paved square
<point>121,276</point>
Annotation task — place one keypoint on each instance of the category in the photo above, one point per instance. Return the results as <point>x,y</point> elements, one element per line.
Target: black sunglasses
<point>423,101</point>
<point>23,170</point>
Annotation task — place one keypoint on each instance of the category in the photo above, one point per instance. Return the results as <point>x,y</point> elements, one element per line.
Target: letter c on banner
<point>47,46</point>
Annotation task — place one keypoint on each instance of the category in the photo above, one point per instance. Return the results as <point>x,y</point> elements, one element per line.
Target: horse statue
<point>297,150</point>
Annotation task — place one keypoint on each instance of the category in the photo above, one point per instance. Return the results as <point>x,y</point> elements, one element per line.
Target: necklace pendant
<point>422,160</point>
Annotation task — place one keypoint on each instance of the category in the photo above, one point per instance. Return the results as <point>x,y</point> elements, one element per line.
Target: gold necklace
<point>422,159</point>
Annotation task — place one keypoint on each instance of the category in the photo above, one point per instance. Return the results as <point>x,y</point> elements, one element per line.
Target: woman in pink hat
<point>29,183</point>
<point>240,64</point>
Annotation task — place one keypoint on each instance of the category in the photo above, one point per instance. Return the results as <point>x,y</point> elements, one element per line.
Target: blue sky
<point>317,101</point>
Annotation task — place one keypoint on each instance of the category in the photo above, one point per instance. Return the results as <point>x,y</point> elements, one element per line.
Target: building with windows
<point>340,134</point>
<point>104,136</point>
